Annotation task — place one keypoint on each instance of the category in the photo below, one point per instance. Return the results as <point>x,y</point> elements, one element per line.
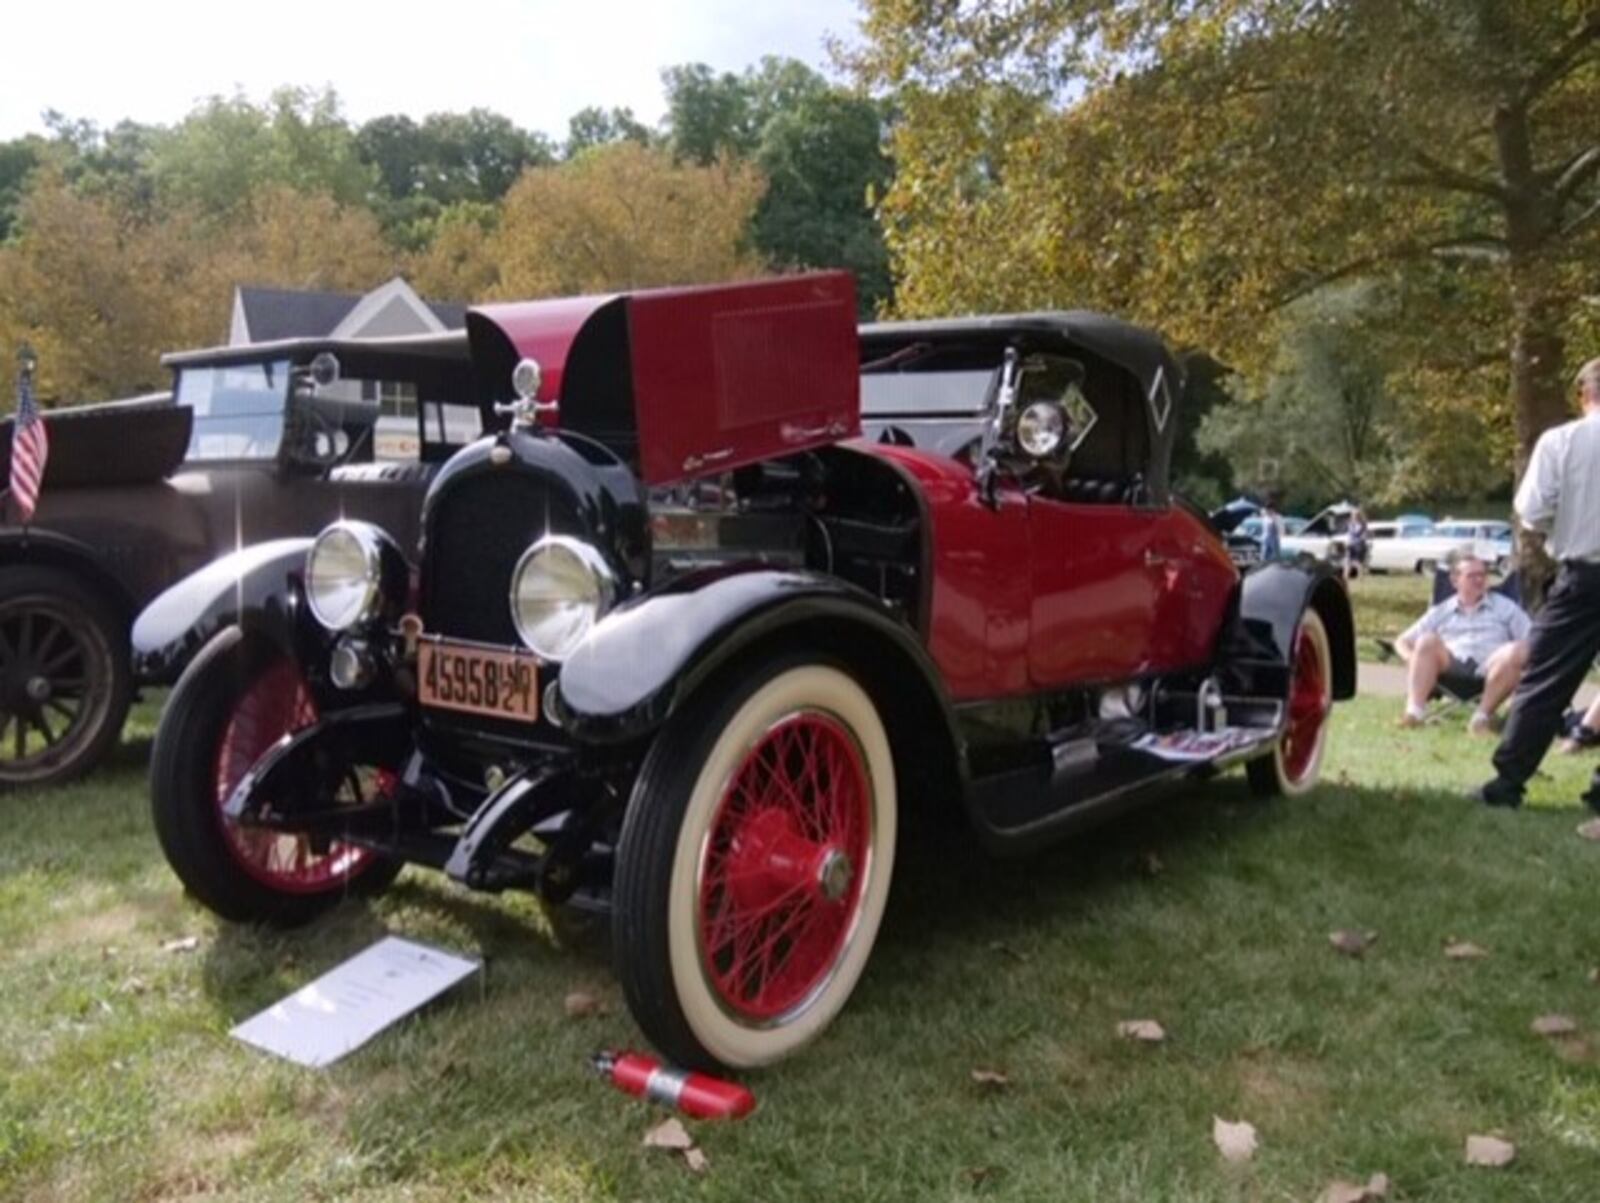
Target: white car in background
<point>1489,539</point>
<point>1323,538</point>
<point>1414,546</point>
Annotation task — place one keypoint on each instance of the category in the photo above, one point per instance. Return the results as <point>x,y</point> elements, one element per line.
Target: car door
<point>1097,589</point>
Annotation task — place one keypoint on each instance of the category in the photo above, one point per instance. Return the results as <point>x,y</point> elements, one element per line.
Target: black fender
<point>256,589</point>
<point>1256,649</point>
<point>642,661</point>
<point>50,549</point>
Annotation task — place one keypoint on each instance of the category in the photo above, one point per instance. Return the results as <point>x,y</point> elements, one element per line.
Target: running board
<point>1082,783</point>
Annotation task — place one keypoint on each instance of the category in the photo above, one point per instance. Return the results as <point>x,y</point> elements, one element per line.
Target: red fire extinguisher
<point>695,1094</point>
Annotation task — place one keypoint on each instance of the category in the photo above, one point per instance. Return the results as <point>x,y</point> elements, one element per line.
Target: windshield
<point>238,409</point>
<point>897,394</point>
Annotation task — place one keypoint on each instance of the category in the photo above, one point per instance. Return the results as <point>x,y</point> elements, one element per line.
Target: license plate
<point>478,680</point>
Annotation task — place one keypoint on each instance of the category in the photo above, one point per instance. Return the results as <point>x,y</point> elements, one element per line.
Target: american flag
<point>30,445</point>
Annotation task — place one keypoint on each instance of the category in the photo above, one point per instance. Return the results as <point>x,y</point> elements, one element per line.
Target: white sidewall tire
<point>1312,627</point>
<point>810,687</point>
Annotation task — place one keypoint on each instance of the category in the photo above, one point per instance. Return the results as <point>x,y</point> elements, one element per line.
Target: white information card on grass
<point>353,1002</point>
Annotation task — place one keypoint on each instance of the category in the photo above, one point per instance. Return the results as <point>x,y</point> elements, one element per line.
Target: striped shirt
<point>1474,634</point>
<point>1560,492</point>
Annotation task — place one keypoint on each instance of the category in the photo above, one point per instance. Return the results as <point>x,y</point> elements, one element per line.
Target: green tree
<point>825,165</point>
<point>227,148</point>
<point>18,159</point>
<point>821,149</point>
<point>1323,422</point>
<point>1201,164</point>
<point>594,126</point>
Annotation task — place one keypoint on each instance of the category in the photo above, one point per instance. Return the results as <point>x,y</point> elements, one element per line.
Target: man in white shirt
<point>1560,495</point>
<point>1472,638</point>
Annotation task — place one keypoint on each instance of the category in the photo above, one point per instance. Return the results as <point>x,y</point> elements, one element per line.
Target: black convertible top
<point>449,346</point>
<point>1136,350</point>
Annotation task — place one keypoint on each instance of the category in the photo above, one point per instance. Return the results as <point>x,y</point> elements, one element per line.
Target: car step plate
<point>474,679</point>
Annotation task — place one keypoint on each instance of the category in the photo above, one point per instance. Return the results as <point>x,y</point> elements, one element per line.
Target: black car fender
<point>642,661</point>
<point>255,589</point>
<point>1258,644</point>
<point>51,549</point>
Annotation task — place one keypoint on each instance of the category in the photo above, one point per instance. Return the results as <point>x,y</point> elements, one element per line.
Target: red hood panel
<point>720,376</point>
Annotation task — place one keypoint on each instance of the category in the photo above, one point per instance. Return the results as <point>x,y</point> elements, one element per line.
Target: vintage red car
<point>678,642</point>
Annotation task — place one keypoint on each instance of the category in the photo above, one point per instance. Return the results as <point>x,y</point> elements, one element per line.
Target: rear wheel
<point>230,707</point>
<point>65,683</point>
<point>754,866</point>
<point>1295,762</point>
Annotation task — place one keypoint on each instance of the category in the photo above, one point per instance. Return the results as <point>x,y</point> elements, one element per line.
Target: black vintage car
<point>680,644</point>
<point>255,443</point>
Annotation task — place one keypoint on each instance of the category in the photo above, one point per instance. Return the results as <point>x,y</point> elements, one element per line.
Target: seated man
<point>1474,637</point>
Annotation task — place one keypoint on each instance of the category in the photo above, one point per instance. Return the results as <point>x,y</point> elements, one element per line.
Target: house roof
<point>272,314</point>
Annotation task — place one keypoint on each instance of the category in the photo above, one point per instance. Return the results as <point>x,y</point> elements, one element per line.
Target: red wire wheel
<point>1296,761</point>
<point>754,863</point>
<point>780,883</point>
<point>277,703</point>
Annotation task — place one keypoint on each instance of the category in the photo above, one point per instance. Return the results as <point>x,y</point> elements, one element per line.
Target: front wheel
<point>754,866</point>
<point>1295,761</point>
<point>231,705</point>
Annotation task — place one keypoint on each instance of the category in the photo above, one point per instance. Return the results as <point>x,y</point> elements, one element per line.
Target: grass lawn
<point>1209,913</point>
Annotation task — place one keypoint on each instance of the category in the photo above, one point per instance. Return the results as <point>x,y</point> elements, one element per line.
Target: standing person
<point>1560,495</point>
<point>1271,530</point>
<point>1356,544</point>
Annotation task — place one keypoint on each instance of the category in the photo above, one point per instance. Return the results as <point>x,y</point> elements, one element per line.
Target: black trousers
<point>1562,646</point>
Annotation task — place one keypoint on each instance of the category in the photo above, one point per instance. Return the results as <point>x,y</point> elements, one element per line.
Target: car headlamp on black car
<point>559,589</point>
<point>354,574</point>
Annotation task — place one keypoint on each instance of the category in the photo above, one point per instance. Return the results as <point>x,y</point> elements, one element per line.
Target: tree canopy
<point>1199,166</point>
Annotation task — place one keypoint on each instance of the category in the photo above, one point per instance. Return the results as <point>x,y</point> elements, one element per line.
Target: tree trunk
<point>1537,350</point>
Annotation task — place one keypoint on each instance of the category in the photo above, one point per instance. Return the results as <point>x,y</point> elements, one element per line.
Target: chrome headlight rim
<point>599,574</point>
<point>1042,429</point>
<point>369,542</point>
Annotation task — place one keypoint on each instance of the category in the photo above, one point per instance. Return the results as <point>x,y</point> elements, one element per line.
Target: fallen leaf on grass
<point>580,1004</point>
<point>1594,976</point>
<point>1590,830</point>
<point>1464,950</point>
<point>1377,1187</point>
<point>186,944</point>
<point>1553,1025</point>
<point>1352,943</point>
<point>1147,1030</point>
<point>992,1078</point>
<point>980,1175</point>
<point>669,1134</point>
<point>1236,1141</point>
<point>1490,1151</point>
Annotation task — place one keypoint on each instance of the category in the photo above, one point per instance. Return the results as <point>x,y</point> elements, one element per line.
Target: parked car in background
<point>1404,545</point>
<point>254,443</point>
<point>1322,539</point>
<point>680,646</point>
<point>1489,539</point>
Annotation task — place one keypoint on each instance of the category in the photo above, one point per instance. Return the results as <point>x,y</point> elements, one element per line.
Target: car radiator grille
<point>475,536</point>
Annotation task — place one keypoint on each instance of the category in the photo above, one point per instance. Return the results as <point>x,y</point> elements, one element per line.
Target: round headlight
<point>344,575</point>
<point>559,588</point>
<point>1041,428</point>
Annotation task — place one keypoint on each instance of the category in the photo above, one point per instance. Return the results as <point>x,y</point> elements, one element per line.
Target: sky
<point>535,61</point>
